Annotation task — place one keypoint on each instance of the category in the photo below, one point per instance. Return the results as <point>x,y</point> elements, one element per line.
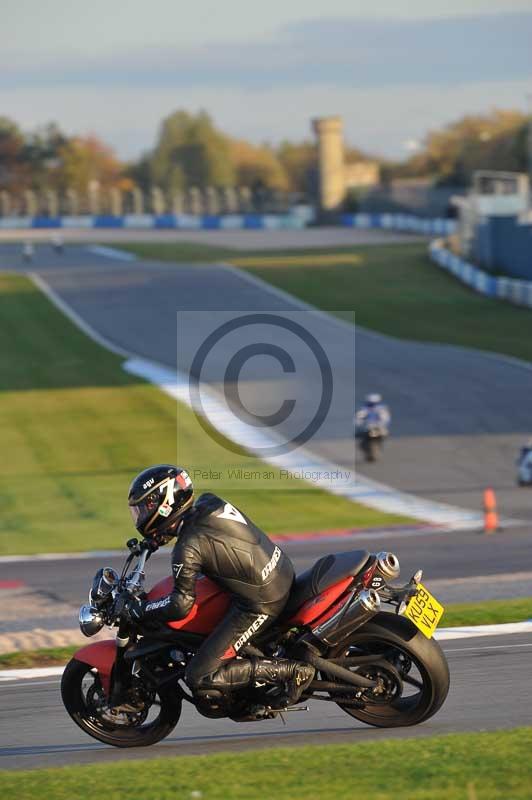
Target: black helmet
<point>157,498</point>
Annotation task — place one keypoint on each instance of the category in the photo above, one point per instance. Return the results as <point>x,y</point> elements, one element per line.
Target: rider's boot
<point>296,675</point>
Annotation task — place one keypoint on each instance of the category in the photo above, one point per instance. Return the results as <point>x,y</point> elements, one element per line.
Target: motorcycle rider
<point>373,411</point>
<point>524,463</point>
<point>216,539</point>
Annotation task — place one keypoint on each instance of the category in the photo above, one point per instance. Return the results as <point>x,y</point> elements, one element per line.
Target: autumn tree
<point>257,164</point>
<point>495,141</point>
<point>85,159</point>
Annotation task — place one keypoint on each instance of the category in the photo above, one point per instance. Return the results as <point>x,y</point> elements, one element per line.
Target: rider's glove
<point>130,608</point>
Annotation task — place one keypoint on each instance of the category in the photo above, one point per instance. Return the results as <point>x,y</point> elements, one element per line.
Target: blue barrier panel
<point>211,222</point>
<point>107,221</point>
<point>46,222</point>
<point>491,286</point>
<point>164,221</point>
<point>253,221</point>
<point>348,220</point>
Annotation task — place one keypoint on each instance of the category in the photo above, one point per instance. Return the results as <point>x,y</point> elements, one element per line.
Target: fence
<point>401,222</point>
<point>515,291</point>
<point>407,197</point>
<point>504,244</point>
<point>114,202</point>
<point>297,219</point>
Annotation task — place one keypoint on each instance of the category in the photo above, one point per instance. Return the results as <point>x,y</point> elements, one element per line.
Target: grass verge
<point>394,289</point>
<point>455,767</point>
<point>44,657</point>
<point>76,428</point>
<point>490,612</point>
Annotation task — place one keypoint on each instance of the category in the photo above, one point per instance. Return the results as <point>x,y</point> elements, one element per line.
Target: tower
<point>329,131</point>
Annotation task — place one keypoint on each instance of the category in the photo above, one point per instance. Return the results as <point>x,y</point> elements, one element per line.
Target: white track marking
<point>17,559</point>
<point>111,252</point>
<point>69,312</point>
<point>487,647</point>
<point>357,489</point>
<point>494,630</point>
<point>34,672</point>
<point>360,490</point>
<point>474,631</point>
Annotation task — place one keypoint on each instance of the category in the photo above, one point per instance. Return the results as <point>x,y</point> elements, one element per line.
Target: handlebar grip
<point>150,545</point>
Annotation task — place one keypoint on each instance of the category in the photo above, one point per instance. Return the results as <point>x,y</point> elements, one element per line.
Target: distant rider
<point>525,453</point>
<point>524,463</point>
<point>216,539</point>
<point>373,412</point>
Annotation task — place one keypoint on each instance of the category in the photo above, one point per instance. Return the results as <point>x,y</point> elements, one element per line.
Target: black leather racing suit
<point>218,540</point>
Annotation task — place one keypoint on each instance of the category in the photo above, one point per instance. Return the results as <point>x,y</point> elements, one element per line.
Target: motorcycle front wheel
<point>416,682</point>
<point>145,721</point>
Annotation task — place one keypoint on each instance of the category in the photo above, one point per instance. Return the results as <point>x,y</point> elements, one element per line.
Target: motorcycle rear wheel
<point>397,640</point>
<point>79,702</point>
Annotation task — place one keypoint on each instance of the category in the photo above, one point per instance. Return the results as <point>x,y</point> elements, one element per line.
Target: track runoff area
<point>50,739</point>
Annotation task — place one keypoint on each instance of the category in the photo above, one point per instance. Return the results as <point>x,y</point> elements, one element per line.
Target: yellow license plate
<point>424,611</point>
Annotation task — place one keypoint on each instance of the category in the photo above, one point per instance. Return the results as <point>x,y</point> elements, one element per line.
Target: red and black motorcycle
<point>381,667</point>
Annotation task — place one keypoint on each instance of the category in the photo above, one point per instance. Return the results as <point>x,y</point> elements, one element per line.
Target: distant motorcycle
<point>524,469</point>
<point>371,438</point>
<point>379,667</point>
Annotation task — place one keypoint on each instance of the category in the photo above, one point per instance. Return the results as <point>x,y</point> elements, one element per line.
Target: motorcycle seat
<point>327,571</point>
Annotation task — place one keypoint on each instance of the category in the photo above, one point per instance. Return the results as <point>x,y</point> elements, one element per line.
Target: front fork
<point>121,673</point>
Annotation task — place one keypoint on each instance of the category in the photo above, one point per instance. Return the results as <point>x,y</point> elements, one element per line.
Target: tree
<point>85,159</point>
<point>190,151</point>
<point>40,155</point>
<point>495,141</point>
<point>299,161</point>
<point>255,165</point>
<point>11,144</point>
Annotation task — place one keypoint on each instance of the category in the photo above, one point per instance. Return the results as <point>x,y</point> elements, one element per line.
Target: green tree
<point>11,144</point>
<point>299,161</point>
<point>41,156</point>
<point>190,151</point>
<point>85,159</point>
<point>257,165</point>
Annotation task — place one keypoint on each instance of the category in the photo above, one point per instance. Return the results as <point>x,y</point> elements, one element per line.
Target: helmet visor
<point>143,511</point>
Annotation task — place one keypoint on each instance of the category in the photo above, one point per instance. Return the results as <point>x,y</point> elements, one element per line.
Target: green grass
<point>76,429</point>
<point>398,291</point>
<point>191,252</point>
<point>44,657</point>
<point>394,289</point>
<point>489,612</point>
<point>486,766</point>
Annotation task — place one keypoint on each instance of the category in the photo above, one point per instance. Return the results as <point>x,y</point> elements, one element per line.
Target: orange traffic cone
<point>491,518</point>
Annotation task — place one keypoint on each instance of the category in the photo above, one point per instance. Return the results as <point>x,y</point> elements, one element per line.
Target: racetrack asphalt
<point>40,608</point>
<point>459,416</point>
<point>490,690</point>
<point>456,429</point>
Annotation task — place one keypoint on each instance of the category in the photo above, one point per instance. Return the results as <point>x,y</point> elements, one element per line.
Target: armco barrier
<point>392,222</point>
<point>400,222</point>
<point>511,289</point>
<point>161,221</point>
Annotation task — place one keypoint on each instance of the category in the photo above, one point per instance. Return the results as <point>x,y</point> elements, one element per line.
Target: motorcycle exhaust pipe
<point>388,565</point>
<point>348,618</point>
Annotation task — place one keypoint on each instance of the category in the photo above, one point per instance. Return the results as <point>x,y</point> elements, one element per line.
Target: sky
<point>393,70</point>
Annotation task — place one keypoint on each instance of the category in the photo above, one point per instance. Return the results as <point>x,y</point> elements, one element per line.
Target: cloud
<point>344,52</point>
